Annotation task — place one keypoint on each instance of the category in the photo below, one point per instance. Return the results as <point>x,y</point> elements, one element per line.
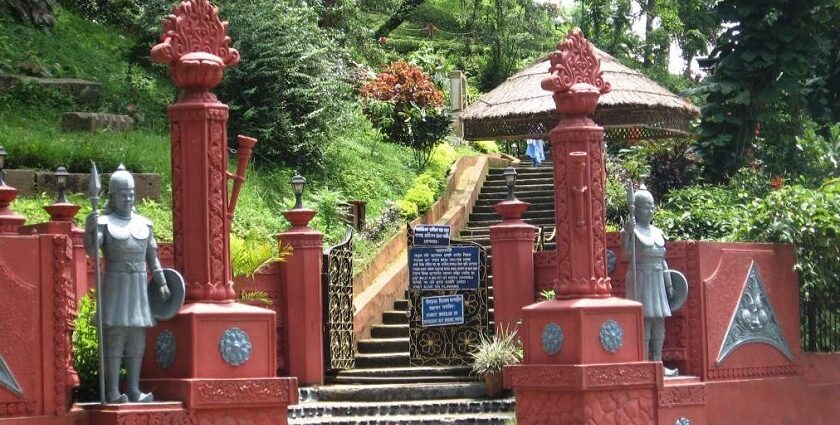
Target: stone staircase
<point>533,185</point>
<point>383,389</point>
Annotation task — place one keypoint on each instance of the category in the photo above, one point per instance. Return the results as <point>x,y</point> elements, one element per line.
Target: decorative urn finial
<point>576,76</point>
<point>195,46</point>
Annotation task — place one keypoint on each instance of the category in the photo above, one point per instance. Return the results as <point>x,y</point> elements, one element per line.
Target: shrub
<point>493,353</point>
<point>415,116</point>
<point>86,350</point>
<point>420,195</point>
<point>821,154</point>
<point>808,218</point>
<point>408,210</point>
<point>485,146</point>
<point>289,89</point>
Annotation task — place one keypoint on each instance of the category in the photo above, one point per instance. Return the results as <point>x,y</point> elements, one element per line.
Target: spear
<point>94,188</point>
<point>633,234</point>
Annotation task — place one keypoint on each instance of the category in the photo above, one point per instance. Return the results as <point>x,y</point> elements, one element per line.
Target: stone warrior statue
<point>648,280</point>
<point>129,247</point>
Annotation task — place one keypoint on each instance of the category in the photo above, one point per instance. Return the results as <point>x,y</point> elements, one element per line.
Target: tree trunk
<point>649,16</point>
<point>405,10</point>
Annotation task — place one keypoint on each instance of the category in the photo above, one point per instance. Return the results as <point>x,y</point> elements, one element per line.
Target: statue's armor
<point>648,285</point>
<point>127,246</point>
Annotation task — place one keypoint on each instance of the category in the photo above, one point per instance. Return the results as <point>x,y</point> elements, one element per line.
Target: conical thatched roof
<point>636,107</point>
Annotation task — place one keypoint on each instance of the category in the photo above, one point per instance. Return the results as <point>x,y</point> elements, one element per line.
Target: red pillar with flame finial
<point>216,356</point>
<point>584,361</point>
<point>302,277</point>
<point>513,278</point>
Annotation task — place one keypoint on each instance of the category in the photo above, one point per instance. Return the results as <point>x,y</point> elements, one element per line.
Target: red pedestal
<point>9,220</point>
<point>584,358</point>
<point>513,241</point>
<point>216,356</point>
<point>302,276</point>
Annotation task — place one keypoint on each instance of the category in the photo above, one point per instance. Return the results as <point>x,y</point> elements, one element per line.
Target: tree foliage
<point>763,62</point>
<point>290,87</point>
<point>404,103</point>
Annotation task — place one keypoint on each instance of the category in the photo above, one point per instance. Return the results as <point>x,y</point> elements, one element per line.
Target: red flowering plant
<point>404,103</point>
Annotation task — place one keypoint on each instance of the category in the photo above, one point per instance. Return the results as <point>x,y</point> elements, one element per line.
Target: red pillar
<point>216,356</point>
<point>583,351</point>
<point>512,242</point>
<point>302,282</point>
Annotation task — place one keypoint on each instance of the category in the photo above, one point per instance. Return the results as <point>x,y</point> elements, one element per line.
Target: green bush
<point>421,195</point>
<point>290,87</point>
<point>408,210</point>
<point>808,218</point>
<point>485,146</point>
<point>86,350</point>
<point>821,154</point>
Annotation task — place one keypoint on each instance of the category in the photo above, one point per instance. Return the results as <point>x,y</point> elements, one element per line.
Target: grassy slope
<point>359,166</point>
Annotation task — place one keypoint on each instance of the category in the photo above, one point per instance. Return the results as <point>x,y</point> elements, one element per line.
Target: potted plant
<point>491,354</point>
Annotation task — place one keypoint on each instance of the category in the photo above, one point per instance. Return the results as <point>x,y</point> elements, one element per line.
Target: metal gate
<point>449,345</point>
<point>337,289</point>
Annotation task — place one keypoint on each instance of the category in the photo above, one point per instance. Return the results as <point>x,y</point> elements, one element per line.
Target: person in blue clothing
<point>535,151</point>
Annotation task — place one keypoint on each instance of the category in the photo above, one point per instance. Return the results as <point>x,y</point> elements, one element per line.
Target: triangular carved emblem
<point>7,379</point>
<point>754,320</point>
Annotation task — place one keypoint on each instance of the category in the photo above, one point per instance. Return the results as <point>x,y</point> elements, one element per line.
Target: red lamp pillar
<point>302,283</point>
<point>10,221</point>
<point>512,242</point>
<point>584,360</point>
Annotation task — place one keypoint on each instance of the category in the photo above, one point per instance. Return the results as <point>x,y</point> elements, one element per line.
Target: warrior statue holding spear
<point>649,281</point>
<point>125,298</point>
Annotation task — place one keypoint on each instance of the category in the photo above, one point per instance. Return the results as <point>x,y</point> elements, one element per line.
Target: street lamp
<point>298,182</point>
<point>61,179</point>
<point>510,181</point>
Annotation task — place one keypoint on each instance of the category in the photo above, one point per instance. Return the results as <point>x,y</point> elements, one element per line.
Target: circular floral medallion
<point>682,421</point>
<point>552,338</point>
<point>165,349</point>
<point>235,346</point>
<point>612,337</point>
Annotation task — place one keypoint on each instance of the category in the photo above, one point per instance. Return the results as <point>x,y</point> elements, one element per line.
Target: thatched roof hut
<point>636,107</point>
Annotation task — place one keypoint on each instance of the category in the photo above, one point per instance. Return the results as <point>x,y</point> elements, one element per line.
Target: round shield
<point>165,310</point>
<point>680,290</point>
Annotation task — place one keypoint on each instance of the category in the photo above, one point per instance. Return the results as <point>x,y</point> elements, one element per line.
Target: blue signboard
<point>442,311</point>
<point>449,268</point>
<point>428,234</point>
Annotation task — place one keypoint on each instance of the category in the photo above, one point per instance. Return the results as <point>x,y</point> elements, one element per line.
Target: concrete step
<point>394,317</point>
<point>542,197</point>
<point>380,360</point>
<point>460,371</point>
<point>389,331</point>
<point>537,221</point>
<point>401,305</point>
<point>484,216</point>
<point>327,409</point>
<point>521,181</point>
<point>488,207</point>
<point>373,380</point>
<point>95,121</point>
<point>453,419</point>
<point>401,392</point>
<point>381,345</point>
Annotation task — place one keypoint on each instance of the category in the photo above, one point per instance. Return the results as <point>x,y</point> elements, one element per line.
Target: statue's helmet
<point>120,179</point>
<point>642,195</point>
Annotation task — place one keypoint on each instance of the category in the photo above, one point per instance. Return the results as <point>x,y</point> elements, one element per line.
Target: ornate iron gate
<point>449,345</point>
<point>337,289</point>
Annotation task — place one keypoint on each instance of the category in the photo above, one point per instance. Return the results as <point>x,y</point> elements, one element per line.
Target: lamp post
<point>61,180</point>
<point>9,220</point>
<point>510,181</point>
<point>61,209</point>
<point>2,164</point>
<point>298,183</point>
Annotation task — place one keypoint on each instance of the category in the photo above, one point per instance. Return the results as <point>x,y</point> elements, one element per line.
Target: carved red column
<point>302,283</point>
<point>9,220</point>
<point>583,351</point>
<point>196,48</point>
<point>216,356</point>
<point>512,242</point>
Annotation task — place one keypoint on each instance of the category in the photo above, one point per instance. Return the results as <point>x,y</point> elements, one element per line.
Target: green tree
<point>763,60</point>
